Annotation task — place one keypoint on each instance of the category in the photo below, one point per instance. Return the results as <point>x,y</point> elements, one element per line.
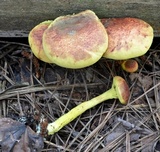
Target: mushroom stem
<point>119,90</point>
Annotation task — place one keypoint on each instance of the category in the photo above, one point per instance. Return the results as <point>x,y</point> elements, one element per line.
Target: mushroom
<point>127,37</point>
<point>75,41</point>
<point>35,41</point>
<point>129,65</point>
<point>118,90</point>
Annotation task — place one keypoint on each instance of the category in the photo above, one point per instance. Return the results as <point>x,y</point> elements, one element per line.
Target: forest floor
<point>35,93</point>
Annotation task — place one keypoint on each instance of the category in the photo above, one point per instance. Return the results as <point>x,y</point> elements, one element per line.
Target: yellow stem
<point>78,110</point>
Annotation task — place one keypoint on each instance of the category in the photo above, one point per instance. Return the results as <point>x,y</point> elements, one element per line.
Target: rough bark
<point>17,17</point>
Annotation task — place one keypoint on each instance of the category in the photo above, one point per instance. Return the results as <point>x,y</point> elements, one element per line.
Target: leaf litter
<point>33,93</point>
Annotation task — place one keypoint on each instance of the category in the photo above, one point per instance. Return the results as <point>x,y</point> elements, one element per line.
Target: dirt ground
<point>34,93</point>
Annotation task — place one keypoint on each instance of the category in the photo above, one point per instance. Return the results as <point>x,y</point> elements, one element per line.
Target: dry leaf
<point>143,80</point>
<point>16,136</point>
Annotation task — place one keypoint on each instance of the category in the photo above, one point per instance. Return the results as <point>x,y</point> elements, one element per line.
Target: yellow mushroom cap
<point>35,40</point>
<point>129,65</point>
<point>75,41</point>
<point>122,89</point>
<point>127,37</point>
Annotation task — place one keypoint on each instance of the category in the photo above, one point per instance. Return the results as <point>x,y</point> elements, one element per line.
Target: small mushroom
<point>35,40</point>
<point>127,37</point>
<point>75,41</point>
<point>129,65</point>
<point>118,90</point>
